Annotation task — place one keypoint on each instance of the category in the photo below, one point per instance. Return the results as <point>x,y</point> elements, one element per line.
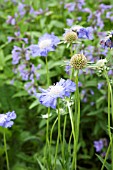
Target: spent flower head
<point>70,36</point>
<point>78,61</point>
<point>62,89</point>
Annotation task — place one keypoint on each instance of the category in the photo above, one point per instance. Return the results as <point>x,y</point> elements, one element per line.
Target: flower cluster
<point>46,43</point>
<point>17,38</point>
<point>5,119</point>
<point>107,41</point>
<point>62,89</point>
<point>26,69</point>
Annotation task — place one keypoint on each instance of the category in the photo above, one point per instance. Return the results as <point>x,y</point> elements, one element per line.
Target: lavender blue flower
<point>18,53</point>
<point>84,33</point>
<point>21,9</point>
<point>98,145</point>
<point>69,22</point>
<point>5,119</point>
<point>46,43</point>
<point>11,20</point>
<point>70,6</point>
<point>100,85</point>
<point>62,89</point>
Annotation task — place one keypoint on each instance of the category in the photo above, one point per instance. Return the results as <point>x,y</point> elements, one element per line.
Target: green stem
<point>110,112</point>
<point>59,136</point>
<point>47,123</point>
<point>109,103</point>
<point>5,147</point>
<point>63,144</point>
<point>73,131</point>
<point>47,72</point>
<point>52,129</point>
<point>77,124</point>
<point>69,145</point>
<point>106,156</point>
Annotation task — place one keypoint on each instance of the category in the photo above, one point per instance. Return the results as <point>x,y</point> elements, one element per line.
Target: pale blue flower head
<point>5,119</point>
<point>62,89</point>
<point>46,43</point>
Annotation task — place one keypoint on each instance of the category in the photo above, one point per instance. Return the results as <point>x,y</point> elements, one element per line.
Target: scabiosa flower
<point>46,43</point>
<point>78,61</point>
<point>62,89</point>
<point>70,36</point>
<point>84,33</point>
<point>5,119</point>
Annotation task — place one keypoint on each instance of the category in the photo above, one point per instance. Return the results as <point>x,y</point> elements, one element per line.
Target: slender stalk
<point>73,132</point>
<point>63,143</point>
<point>69,150</point>
<point>47,122</point>
<point>109,101</point>
<point>52,129</point>
<point>106,156</point>
<point>5,148</point>
<point>59,136</point>
<point>110,112</point>
<point>47,72</point>
<point>77,124</point>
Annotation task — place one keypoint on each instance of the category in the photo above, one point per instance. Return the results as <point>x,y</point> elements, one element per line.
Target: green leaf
<point>107,165</point>
<point>2,60</point>
<point>34,104</point>
<point>20,94</point>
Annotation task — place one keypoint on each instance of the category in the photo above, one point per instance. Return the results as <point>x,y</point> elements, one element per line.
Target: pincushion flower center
<point>45,43</point>
<point>56,90</point>
<point>2,118</point>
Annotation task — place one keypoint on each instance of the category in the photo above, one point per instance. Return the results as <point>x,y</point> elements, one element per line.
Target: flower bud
<point>101,63</point>
<point>70,36</point>
<point>78,61</point>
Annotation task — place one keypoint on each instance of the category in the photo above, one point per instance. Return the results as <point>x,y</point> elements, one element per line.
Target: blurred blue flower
<point>84,33</point>
<point>98,145</point>
<point>69,22</point>
<point>5,119</point>
<point>46,43</point>
<point>18,53</point>
<point>62,89</point>
<point>21,9</point>
<point>100,85</point>
<point>70,6</point>
<point>11,20</point>
<point>107,41</point>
